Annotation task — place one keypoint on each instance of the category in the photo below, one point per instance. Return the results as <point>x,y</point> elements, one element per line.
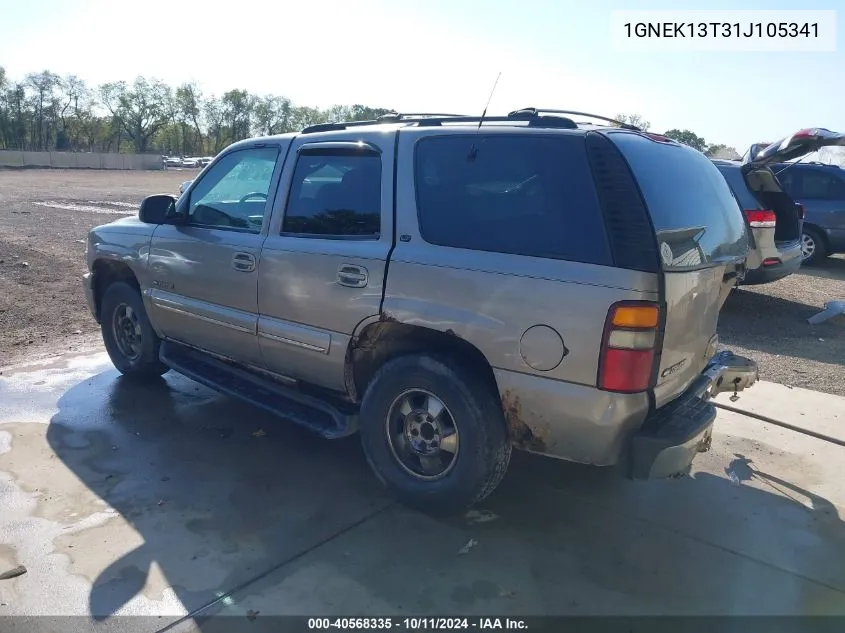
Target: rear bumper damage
<point>673,435</point>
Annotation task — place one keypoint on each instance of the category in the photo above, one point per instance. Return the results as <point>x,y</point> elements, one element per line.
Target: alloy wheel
<point>808,246</point>
<point>422,434</point>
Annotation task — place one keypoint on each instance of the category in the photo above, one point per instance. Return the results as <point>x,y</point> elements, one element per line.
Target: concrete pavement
<point>811,410</point>
<point>168,499</point>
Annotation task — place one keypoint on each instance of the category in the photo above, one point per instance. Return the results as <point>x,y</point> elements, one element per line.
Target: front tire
<point>434,435</point>
<point>813,247</point>
<point>130,340</point>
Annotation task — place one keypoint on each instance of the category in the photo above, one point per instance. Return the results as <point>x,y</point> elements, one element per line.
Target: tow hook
<point>735,395</point>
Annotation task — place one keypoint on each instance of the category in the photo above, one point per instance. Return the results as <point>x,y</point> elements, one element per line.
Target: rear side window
<point>697,219</point>
<point>522,195</point>
<point>736,181</point>
<point>819,185</point>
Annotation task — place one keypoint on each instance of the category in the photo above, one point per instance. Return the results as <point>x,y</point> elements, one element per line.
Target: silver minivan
<point>774,218</point>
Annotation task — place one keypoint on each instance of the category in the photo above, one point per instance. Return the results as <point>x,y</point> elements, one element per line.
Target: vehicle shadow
<point>828,268</point>
<point>214,488</point>
<point>758,321</point>
<point>220,494</point>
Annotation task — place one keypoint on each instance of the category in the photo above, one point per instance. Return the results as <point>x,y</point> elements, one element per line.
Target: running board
<point>233,380</point>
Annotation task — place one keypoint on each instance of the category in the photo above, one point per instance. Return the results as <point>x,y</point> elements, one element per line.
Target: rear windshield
<point>697,219</point>
<point>506,193</point>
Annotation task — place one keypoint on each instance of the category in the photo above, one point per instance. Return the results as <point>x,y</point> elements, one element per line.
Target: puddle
<point>108,208</point>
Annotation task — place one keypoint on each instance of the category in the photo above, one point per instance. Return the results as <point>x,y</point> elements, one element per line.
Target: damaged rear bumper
<point>673,435</point>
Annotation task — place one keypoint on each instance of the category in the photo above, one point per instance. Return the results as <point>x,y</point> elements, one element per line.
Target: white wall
<point>79,160</point>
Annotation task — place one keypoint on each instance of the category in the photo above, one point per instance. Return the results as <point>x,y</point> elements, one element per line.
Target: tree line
<point>713,150</point>
<point>45,111</point>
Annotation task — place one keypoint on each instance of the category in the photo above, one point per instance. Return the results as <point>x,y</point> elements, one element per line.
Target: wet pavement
<point>167,500</point>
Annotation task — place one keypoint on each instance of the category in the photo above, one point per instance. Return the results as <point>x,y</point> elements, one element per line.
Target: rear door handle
<point>352,276</point>
<point>243,262</point>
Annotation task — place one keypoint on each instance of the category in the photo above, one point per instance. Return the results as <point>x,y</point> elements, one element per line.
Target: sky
<point>436,55</point>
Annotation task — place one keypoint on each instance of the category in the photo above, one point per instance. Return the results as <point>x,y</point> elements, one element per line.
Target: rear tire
<point>412,404</point>
<point>813,247</point>
<point>130,340</point>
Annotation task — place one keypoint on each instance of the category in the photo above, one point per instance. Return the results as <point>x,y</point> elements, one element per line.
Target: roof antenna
<point>473,151</point>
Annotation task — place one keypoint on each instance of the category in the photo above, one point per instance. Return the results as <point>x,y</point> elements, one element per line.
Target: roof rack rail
<point>538,111</point>
<point>531,115</point>
<point>416,115</point>
<point>390,117</point>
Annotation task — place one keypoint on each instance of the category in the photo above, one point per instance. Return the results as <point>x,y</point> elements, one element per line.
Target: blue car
<point>821,189</point>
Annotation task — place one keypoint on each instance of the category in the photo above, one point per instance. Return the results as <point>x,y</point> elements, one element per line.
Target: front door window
<point>233,194</point>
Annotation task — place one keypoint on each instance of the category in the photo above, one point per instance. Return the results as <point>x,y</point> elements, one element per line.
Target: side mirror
<point>157,209</point>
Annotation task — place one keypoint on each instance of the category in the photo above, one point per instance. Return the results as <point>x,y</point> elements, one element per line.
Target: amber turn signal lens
<point>636,316</point>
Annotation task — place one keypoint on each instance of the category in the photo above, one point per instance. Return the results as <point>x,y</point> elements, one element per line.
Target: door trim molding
<point>294,334</point>
<point>193,308</point>
<point>206,319</point>
<point>288,341</point>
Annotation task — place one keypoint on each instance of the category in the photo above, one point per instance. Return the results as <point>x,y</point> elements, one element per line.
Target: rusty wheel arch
<point>388,338</point>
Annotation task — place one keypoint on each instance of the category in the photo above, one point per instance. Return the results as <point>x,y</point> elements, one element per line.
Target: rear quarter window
<point>696,217</point>
<point>736,181</point>
<point>519,194</point>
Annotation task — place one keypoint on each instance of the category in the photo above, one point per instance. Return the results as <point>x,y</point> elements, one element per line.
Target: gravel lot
<point>769,323</point>
<point>45,215</point>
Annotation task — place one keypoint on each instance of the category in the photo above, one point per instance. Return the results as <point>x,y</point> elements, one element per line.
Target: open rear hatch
<point>779,210</point>
<point>703,243</point>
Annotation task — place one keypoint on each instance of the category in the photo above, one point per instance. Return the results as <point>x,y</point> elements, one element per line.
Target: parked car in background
<point>821,190</point>
<point>172,161</point>
<point>448,289</point>
<point>773,215</point>
<point>191,162</point>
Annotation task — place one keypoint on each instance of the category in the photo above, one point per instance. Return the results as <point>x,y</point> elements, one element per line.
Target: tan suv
<point>447,286</point>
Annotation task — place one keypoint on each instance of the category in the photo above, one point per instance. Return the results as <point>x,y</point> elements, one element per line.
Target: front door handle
<point>352,276</point>
<point>243,262</point>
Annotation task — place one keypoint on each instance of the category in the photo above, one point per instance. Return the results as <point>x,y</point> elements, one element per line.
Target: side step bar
<point>313,413</point>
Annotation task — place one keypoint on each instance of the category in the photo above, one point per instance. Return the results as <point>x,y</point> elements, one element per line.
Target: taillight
<point>801,210</point>
<point>761,219</point>
<point>629,347</point>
